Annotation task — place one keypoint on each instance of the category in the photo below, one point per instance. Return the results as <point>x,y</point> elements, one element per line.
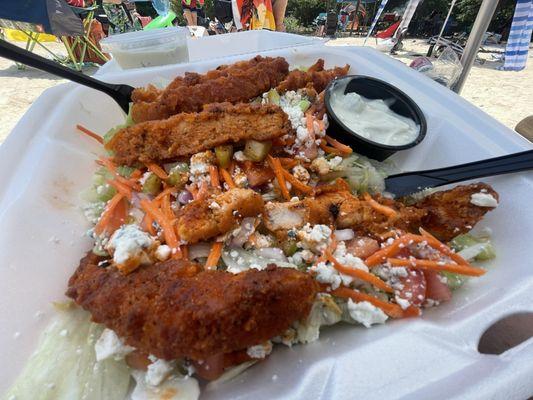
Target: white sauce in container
<point>372,119</point>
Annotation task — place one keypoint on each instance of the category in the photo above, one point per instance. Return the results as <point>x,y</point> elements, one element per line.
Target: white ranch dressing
<point>372,119</point>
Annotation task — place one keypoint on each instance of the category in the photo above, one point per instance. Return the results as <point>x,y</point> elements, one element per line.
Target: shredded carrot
<point>381,255</point>
<point>227,178</point>
<point>382,209</point>
<point>321,126</point>
<point>213,174</point>
<point>156,169</point>
<point>411,311</point>
<point>147,224</point>
<point>91,134</point>
<point>391,250</point>
<point>214,256</point>
<point>166,209</point>
<point>296,183</point>
<point>136,174</point>
<point>202,191</point>
<point>438,245</point>
<point>338,145</point>
<point>106,162</point>
<point>358,273</point>
<point>437,266</point>
<point>310,126</point>
<point>121,188</point>
<point>330,150</point>
<point>287,162</point>
<point>392,310</point>
<point>168,229</point>
<point>168,190</point>
<point>194,190</point>
<point>278,172</point>
<point>108,213</point>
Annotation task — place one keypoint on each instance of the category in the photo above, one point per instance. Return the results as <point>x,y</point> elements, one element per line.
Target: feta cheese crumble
<point>260,350</point>
<point>316,238</point>
<point>128,244</point>
<point>158,370</point>
<point>110,345</point>
<point>163,252</point>
<point>365,313</point>
<point>322,166</point>
<point>483,200</point>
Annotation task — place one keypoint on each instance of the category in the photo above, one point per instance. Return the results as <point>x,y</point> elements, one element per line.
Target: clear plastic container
<point>148,48</point>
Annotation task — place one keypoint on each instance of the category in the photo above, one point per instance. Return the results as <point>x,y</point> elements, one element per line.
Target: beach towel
<point>519,37</point>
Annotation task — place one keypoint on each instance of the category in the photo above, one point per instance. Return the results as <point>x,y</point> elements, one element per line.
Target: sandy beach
<point>505,95</point>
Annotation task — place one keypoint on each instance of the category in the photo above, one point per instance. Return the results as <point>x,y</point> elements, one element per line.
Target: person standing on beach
<point>278,9</point>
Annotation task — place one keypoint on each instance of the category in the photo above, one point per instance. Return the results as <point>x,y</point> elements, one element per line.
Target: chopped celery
<point>110,133</point>
<point>224,154</point>
<point>178,179</point>
<point>125,171</point>
<point>64,365</point>
<point>304,105</point>
<point>273,97</point>
<point>105,192</point>
<point>454,281</point>
<point>256,151</point>
<point>289,247</point>
<point>472,247</point>
<point>152,185</point>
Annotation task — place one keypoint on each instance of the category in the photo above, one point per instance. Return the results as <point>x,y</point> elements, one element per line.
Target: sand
<point>507,96</point>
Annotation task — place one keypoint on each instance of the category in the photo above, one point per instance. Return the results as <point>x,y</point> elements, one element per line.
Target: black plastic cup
<point>372,88</point>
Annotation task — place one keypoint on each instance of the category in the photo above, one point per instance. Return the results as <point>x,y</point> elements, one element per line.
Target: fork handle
<point>17,54</point>
<point>478,169</point>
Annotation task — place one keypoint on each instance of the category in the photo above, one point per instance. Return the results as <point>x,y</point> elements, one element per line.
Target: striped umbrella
<point>519,36</point>
<point>407,15</point>
<point>376,18</point>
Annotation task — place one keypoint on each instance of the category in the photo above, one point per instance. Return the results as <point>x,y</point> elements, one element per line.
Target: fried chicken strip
<point>446,214</point>
<point>203,219</point>
<point>316,77</point>
<point>450,212</point>
<point>187,134</point>
<point>238,83</point>
<point>172,310</point>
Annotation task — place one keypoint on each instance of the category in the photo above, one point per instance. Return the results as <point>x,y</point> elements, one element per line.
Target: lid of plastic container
<point>142,39</point>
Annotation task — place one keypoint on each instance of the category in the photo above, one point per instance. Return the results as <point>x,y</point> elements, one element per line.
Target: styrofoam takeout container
<point>45,163</point>
<point>150,48</point>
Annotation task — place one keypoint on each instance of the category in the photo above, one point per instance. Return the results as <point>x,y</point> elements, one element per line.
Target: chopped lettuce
<point>472,247</point>
<point>324,312</point>
<point>362,174</point>
<point>173,388</point>
<point>64,365</point>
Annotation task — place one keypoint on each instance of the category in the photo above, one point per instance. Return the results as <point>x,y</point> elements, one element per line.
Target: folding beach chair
<point>78,46</point>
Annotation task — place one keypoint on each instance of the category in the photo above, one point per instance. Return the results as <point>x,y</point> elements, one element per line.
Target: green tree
<point>305,11</point>
<point>466,12</point>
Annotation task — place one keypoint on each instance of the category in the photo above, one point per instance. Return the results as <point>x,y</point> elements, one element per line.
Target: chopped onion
<point>199,250</point>
<point>344,234</point>
<point>272,253</point>
<point>185,197</point>
<point>243,233</point>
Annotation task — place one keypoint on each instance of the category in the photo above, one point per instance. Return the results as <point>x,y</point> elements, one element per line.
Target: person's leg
<point>194,18</point>
<point>188,16</point>
<point>278,9</point>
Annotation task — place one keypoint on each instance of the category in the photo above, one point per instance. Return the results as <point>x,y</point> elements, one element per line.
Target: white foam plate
<point>45,163</point>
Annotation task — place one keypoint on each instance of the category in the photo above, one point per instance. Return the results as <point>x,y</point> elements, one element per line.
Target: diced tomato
<point>362,246</point>
<point>436,290</point>
<point>414,287</point>
<point>214,366</point>
<point>257,173</point>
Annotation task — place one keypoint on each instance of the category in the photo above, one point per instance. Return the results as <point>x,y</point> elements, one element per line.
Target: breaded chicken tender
<point>316,77</point>
<point>172,310</point>
<point>204,219</point>
<point>238,83</point>
<point>187,134</point>
<point>445,214</point>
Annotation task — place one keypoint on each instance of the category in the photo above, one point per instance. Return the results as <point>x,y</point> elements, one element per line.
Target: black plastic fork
<point>120,93</point>
<point>412,182</point>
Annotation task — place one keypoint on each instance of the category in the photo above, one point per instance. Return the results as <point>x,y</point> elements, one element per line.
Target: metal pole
<point>484,16</point>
